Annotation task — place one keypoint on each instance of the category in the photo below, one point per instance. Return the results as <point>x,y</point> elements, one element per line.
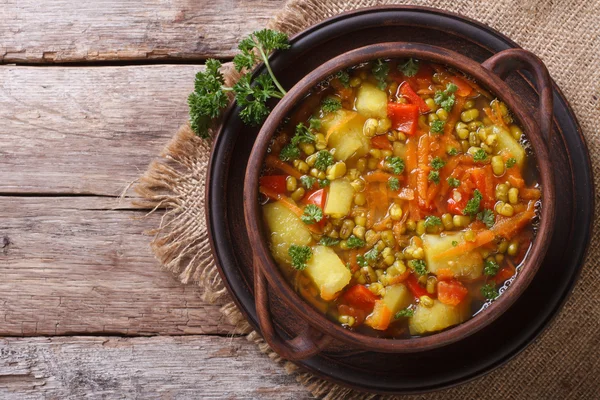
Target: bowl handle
<point>509,60</point>
<point>309,341</point>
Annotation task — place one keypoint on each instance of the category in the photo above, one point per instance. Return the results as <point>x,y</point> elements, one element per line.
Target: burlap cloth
<point>564,363</point>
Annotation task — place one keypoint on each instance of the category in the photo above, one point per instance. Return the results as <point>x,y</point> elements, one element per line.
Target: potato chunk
<point>468,265</point>
<point>286,229</point>
<point>437,317</point>
<point>339,199</point>
<point>397,297</point>
<point>371,102</point>
<point>343,130</point>
<point>327,271</point>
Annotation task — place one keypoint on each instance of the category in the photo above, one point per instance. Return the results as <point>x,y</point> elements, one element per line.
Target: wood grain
<point>87,31</point>
<point>72,265</point>
<point>189,367</point>
<point>87,130</point>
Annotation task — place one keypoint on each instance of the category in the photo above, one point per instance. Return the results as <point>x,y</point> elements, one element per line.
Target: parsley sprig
<point>209,97</point>
<point>409,68</point>
<point>312,214</point>
<point>473,204</point>
<point>300,256</point>
<point>380,71</point>
<point>446,99</point>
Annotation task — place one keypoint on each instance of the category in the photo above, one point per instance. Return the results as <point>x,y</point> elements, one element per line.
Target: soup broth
<point>398,198</point>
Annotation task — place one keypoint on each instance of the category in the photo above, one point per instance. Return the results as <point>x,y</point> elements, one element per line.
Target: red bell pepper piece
<point>457,201</point>
<point>359,296</point>
<point>482,178</point>
<point>274,182</point>
<point>381,142</point>
<point>318,198</point>
<point>404,117</point>
<point>414,287</point>
<point>413,98</point>
<point>451,292</point>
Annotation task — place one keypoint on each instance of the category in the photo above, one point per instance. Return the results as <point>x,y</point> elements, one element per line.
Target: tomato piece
<point>318,198</point>
<point>457,201</point>
<point>413,285</point>
<point>451,292</point>
<point>404,117</point>
<point>505,273</point>
<point>274,182</point>
<point>381,142</point>
<point>483,181</point>
<point>359,315</point>
<point>413,98</point>
<point>359,296</point>
<point>464,89</point>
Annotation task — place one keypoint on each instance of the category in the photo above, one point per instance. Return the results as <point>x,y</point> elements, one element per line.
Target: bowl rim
<point>497,87</point>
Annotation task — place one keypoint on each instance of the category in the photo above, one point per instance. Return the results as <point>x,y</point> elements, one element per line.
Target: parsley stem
<point>266,60</point>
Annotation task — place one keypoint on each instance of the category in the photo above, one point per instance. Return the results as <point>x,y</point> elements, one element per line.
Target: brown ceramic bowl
<point>317,330</point>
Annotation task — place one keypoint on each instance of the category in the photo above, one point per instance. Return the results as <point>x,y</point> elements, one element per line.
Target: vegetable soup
<point>399,197</point>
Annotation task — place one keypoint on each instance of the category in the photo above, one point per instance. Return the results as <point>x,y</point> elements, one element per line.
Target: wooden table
<point>90,91</point>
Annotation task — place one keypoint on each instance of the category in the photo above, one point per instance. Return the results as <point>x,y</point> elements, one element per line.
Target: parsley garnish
<point>453,182</point>
<point>303,135</point>
<point>418,266</point>
<point>454,243</point>
<point>437,126</point>
<point>434,176</point>
<point>371,255</point>
<point>331,104</point>
<point>487,217</point>
<point>396,164</point>
<point>312,214</point>
<point>431,221</point>
<point>489,291</point>
<point>289,152</point>
<point>393,183</point>
<point>354,243</point>
<point>407,312</point>
<point>324,182</point>
<point>491,267</point>
<point>307,181</point>
<point>446,98</point>
<point>314,124</point>
<point>328,241</point>
<point>511,162</point>
<point>380,71</point>
<point>473,204</point>
<point>479,155</point>
<point>344,77</point>
<point>209,97</point>
<point>300,256</point>
<point>437,163</point>
<point>409,68</point>
<point>453,151</point>
<point>361,261</point>
<point>324,160</point>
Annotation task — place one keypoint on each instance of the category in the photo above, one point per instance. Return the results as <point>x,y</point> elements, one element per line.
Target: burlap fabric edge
<point>176,182</point>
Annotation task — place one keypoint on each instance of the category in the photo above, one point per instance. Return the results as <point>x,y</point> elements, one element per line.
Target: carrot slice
<point>377,176</point>
<point>276,163</point>
<point>509,227</point>
<point>380,318</point>
<point>411,154</point>
<point>530,194</point>
<point>454,116</point>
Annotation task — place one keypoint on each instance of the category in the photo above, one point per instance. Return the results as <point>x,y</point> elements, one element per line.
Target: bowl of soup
<point>399,198</point>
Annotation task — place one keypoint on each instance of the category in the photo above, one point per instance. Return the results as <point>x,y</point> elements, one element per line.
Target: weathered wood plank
<point>72,265</point>
<point>73,30</point>
<point>192,367</point>
<point>86,130</point>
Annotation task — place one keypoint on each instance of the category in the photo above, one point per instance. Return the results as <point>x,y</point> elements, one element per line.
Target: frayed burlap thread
<point>564,362</point>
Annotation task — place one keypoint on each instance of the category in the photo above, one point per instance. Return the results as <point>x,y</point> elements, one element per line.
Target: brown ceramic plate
<point>480,352</point>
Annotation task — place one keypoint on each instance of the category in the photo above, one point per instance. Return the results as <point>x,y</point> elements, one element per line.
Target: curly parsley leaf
<point>396,164</point>
<point>418,266</point>
<point>300,256</point>
<point>344,78</point>
<point>307,181</point>
<point>393,183</point>
<point>437,163</point>
<point>453,182</point>
<point>314,124</point>
<point>487,217</point>
<point>289,153</point>
<point>331,104</point>
<point>303,135</point>
<point>479,155</point>
<point>473,204</point>
<point>491,267</point>
<point>324,160</point>
<point>511,162</point>
<point>252,97</point>
<point>354,243</point>
<point>489,291</point>
<point>446,99</point>
<point>454,243</point>
<point>329,241</point>
<point>434,176</point>
<point>432,221</point>
<point>312,214</point>
<point>407,312</point>
<point>437,126</point>
<point>380,71</point>
<point>453,151</point>
<point>409,68</point>
<point>372,255</point>
<point>324,183</point>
